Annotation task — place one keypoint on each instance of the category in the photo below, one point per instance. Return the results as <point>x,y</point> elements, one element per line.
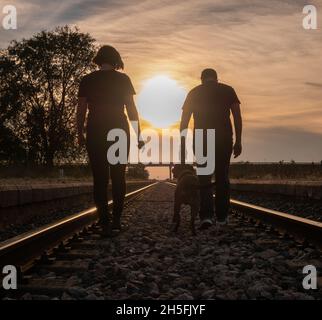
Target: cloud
<point>314,84</point>
<point>258,47</point>
<point>279,143</point>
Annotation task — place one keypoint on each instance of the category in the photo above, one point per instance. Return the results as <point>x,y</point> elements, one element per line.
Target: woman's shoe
<point>116,223</point>
<point>106,230</point>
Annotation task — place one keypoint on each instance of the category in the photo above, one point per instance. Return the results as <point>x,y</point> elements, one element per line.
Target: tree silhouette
<point>39,83</point>
<point>137,171</point>
<point>11,147</point>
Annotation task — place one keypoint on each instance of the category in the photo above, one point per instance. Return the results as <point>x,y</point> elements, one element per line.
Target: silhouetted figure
<point>210,104</point>
<point>105,93</point>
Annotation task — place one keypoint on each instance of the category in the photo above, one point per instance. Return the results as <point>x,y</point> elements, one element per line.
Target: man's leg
<point>206,198</point>
<point>118,190</point>
<point>222,201</point>
<point>206,212</point>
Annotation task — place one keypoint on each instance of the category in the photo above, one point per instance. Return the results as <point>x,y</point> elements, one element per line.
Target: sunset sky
<point>259,47</point>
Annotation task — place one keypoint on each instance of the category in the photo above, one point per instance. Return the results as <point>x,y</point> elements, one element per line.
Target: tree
<point>42,90</point>
<point>11,147</point>
<point>137,171</point>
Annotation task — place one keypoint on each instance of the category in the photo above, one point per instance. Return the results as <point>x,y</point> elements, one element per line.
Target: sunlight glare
<point>160,101</point>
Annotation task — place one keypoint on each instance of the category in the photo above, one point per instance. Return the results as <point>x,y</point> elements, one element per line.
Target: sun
<point>160,101</point>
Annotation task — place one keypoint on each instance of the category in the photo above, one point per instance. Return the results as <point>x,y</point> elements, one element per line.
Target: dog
<point>187,192</point>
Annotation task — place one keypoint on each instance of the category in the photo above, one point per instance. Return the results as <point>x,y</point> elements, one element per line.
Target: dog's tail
<point>208,185</point>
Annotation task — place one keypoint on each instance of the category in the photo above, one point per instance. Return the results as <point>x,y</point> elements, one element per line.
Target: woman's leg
<point>118,190</point>
<point>117,173</point>
<point>97,156</point>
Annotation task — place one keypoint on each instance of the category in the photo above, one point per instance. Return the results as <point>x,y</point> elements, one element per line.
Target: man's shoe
<point>205,224</point>
<point>222,222</point>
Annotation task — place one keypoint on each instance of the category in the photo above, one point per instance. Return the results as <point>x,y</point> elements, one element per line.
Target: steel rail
<point>23,250</point>
<point>302,228</point>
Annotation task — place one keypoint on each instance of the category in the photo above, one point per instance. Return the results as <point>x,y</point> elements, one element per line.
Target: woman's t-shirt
<point>106,92</point>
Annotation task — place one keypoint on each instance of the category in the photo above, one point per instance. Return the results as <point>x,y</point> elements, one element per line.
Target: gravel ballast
<point>147,261</point>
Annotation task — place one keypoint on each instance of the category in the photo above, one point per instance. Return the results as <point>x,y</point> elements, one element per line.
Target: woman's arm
<point>81,116</point>
<point>134,116</point>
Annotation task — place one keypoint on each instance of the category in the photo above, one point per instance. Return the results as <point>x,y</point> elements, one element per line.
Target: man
<point>210,104</point>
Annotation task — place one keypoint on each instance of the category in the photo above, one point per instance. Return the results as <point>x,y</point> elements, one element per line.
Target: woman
<point>105,93</point>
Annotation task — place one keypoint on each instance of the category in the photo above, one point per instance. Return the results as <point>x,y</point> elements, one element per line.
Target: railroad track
<point>25,250</point>
<point>70,246</point>
<point>302,229</point>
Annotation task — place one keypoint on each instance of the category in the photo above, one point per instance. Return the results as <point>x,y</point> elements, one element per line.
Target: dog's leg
<point>176,215</point>
<point>194,212</point>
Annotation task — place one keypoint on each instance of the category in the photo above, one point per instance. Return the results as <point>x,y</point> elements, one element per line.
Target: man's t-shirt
<point>106,92</point>
<point>210,105</point>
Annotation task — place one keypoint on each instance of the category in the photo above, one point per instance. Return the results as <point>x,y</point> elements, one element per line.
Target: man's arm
<point>185,118</point>
<point>235,109</point>
<point>134,116</point>
<point>186,113</point>
<point>81,115</point>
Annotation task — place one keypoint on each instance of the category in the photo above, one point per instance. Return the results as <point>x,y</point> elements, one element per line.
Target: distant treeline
<point>279,170</point>
<point>137,171</point>
<point>241,170</point>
